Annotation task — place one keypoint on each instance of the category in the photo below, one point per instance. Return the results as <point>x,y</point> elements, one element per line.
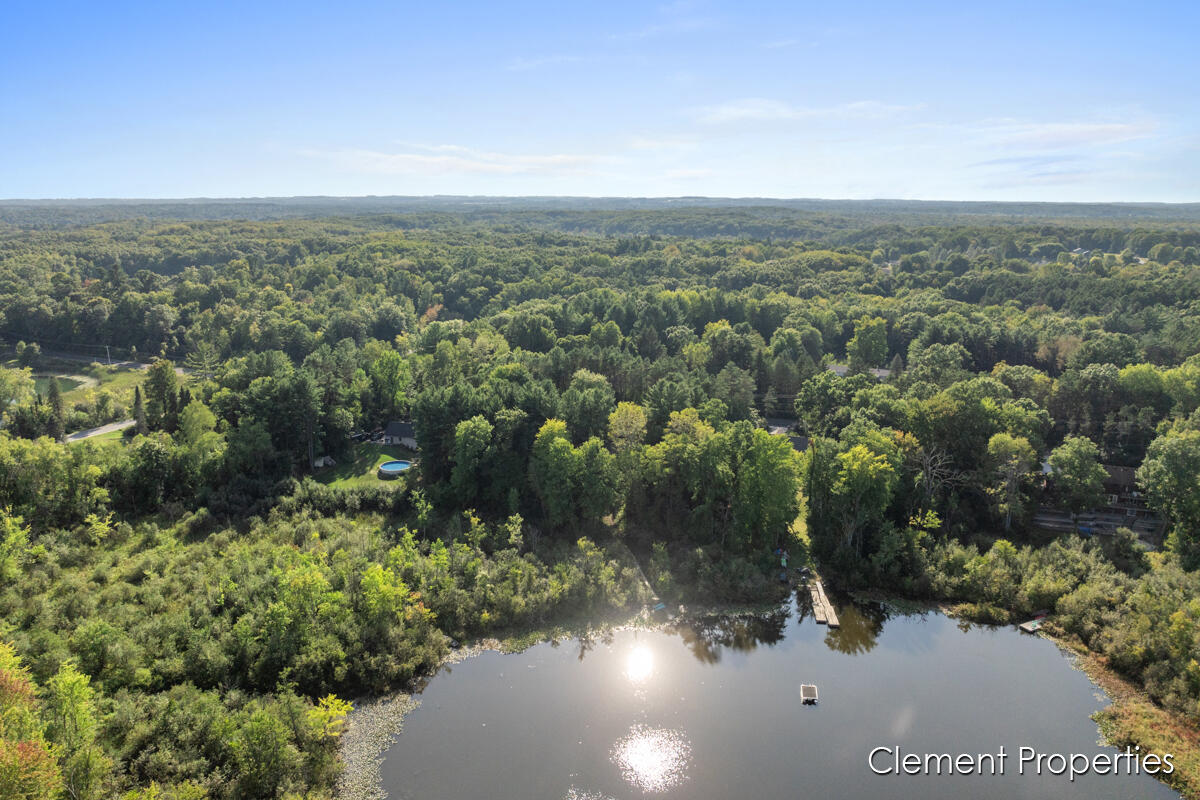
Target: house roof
<point>402,430</point>
<point>799,443</point>
<point>842,370</point>
<point>1120,476</point>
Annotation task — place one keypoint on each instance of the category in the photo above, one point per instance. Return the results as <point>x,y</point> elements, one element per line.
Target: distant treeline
<point>680,216</point>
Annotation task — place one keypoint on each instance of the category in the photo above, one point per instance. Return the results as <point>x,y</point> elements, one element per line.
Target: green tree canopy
<point>1077,474</point>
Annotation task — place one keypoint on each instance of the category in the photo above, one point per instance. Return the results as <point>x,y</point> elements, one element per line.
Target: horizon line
<point>705,198</point>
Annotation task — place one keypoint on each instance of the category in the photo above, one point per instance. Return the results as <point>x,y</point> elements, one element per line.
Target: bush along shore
<point>1134,720</point>
<point>297,613</point>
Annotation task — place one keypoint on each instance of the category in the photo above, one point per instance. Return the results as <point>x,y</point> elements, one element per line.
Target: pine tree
<point>170,420</point>
<point>139,412</point>
<point>56,426</point>
<point>203,362</point>
<point>771,403</point>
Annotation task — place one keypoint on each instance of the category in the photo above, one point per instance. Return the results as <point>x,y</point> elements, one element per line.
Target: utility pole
<point>108,353</point>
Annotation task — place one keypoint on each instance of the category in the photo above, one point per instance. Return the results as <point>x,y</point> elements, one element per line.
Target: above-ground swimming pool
<point>391,469</point>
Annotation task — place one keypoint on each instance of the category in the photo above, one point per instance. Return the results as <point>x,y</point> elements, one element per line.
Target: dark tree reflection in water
<point>588,640</point>
<point>709,709</point>
<point>861,625</point>
<point>708,636</point>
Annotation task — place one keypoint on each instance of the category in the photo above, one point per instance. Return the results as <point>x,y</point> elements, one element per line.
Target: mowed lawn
<point>74,380</point>
<point>361,471</point>
<point>41,384</point>
<point>112,437</point>
<point>119,378</point>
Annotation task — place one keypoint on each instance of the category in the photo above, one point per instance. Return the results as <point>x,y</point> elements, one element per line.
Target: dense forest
<point>187,608</point>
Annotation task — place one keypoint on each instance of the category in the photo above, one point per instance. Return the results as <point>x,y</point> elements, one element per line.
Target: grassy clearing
<point>76,379</point>
<point>112,437</point>
<point>117,379</point>
<point>66,384</point>
<point>360,470</point>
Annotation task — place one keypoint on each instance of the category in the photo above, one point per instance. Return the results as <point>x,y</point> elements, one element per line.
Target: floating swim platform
<point>808,694</point>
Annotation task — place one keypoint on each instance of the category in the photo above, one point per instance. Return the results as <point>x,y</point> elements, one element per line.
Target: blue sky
<point>960,101</point>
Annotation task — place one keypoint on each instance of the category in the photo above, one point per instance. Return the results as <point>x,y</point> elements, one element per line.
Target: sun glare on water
<point>639,664</point>
<point>652,759</point>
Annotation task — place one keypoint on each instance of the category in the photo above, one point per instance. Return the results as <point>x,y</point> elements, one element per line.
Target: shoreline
<point>375,723</point>
<point>1131,718</point>
<point>373,727</point>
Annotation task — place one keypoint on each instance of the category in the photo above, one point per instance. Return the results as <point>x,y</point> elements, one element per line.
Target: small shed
<point>800,443</point>
<point>401,433</point>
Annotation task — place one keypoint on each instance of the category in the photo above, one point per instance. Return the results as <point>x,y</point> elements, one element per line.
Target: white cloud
<point>1048,178</point>
<point>446,159</point>
<point>676,18</point>
<point>661,143</point>
<point>688,174</point>
<point>1063,135</point>
<point>780,44</point>
<point>1013,153</point>
<point>1027,161</point>
<point>520,64</point>
<point>668,29</point>
<point>1007,135</point>
<point>760,109</point>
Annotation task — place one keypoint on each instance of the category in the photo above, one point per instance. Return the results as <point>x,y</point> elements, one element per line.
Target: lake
<point>712,710</point>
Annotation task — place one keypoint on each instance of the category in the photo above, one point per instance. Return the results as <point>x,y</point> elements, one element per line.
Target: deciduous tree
<point>1011,459</point>
<point>1077,474</point>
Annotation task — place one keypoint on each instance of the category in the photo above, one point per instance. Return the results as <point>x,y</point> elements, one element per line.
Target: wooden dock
<point>822,609</point>
<point>817,606</point>
<point>1035,624</point>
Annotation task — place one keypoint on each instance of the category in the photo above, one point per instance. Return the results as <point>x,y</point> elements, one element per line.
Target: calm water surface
<point>713,712</point>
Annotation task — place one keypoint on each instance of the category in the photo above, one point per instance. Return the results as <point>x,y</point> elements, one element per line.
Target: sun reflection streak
<point>579,794</point>
<point>653,759</point>
<point>639,664</point>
